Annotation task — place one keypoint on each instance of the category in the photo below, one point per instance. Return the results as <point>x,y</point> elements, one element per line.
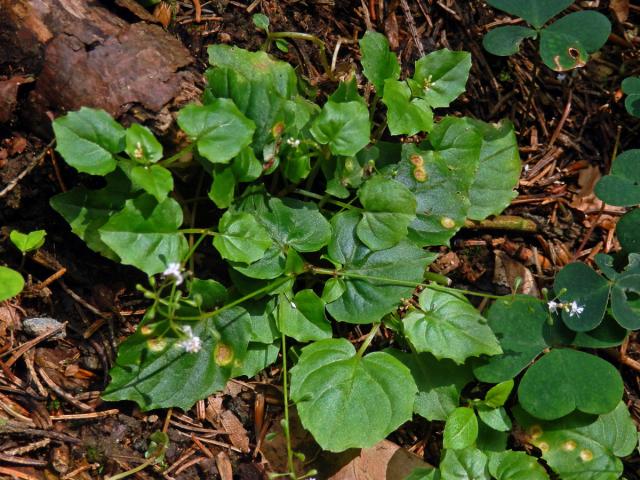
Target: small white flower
<point>553,306</point>
<point>561,76</point>
<point>575,309</point>
<point>294,142</point>
<point>191,344</point>
<point>173,270</point>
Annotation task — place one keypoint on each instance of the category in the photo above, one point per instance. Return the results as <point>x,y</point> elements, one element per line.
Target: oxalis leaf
<point>506,40</point>
<point>536,12</point>
<point>378,62</point>
<point>345,127</point>
<point>369,289</point>
<point>628,230</point>
<point>158,373</point>
<point>219,130</point>
<point>241,238</point>
<point>583,447</point>
<point>448,326</point>
<point>624,295</point>
<point>87,140</point>
<point>347,401</point>
<point>441,76</point>
<point>389,207</point>
<point>631,87</point>
<point>11,283</point>
<point>565,380</point>
<point>145,234</point>
<point>622,186</point>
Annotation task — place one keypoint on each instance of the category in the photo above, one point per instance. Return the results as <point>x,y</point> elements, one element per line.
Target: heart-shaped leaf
<point>145,234</point>
<point>624,295</point>
<point>535,12</point>
<point>366,397</point>
<point>510,465</point>
<point>219,130</point>
<point>345,127</point>
<point>631,87</point>
<point>506,40</point>
<point>622,186</point>
<point>27,242</point>
<point>370,277</point>
<point>448,326</point>
<point>378,62</point>
<point>565,380</point>
<point>580,446</point>
<point>461,429</point>
<point>440,77</point>
<point>389,207</point>
<point>141,145</point>
<point>87,139</point>
<point>582,288</point>
<point>406,116</point>
<point>241,238</point>
<point>628,230</point>
<point>303,317</point>
<point>11,283</point>
<point>467,464</point>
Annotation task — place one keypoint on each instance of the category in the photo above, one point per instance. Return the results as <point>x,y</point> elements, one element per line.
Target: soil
<point>569,127</point>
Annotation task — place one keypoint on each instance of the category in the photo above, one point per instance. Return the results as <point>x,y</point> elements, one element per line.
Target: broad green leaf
<point>297,167</point>
<point>27,242</point>
<point>141,145</point>
<point>241,238</point>
<point>153,179</point>
<point>622,186</point>
<point>11,283</point>
<point>345,127</point>
<point>424,474</point>
<point>219,130</point>
<point>504,41</point>
<point>461,429</point>
<point>582,285</point>
<point>303,317</point>
<point>158,373</point>
<point>208,293</point>
<point>145,234</point>
<point>406,116</point>
<point>223,187</point>
<point>626,289</point>
<point>439,382</point>
<point>261,21</point>
<point>631,87</point>
<point>495,418</point>
<point>467,464</point>
<point>333,290</point>
<point>581,447</point>
<point>448,326</point>
<point>389,207</point>
<point>378,62</point>
<point>262,317</point>
<point>441,179</point>
<point>628,231</point>
<point>369,277</point>
<point>87,210</point>
<point>270,266</point>
<point>608,334</point>
<point>498,395</point>
<point>498,171</point>
<point>246,167</point>
<point>535,12</point>
<point>87,140</point>
<point>366,398</point>
<point>441,76</point>
<point>347,91</point>
<point>566,43</point>
<point>512,465</point>
<point>564,380</point>
<point>490,440</point>
<point>258,357</point>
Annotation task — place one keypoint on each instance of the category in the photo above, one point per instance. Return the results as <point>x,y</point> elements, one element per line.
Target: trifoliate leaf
<point>622,186</point>
<point>505,40</point>
<point>628,230</point>
<point>535,12</point>
<point>631,87</point>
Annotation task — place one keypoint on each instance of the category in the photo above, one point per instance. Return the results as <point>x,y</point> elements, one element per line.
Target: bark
<point>83,54</point>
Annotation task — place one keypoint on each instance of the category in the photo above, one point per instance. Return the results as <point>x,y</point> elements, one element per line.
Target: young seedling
<point>564,44</point>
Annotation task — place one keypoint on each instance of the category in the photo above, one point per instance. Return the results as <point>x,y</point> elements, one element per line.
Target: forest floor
<point>569,127</point>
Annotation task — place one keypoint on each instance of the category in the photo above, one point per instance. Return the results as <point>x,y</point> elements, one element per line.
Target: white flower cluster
<point>191,344</point>
<point>571,308</point>
<point>294,142</point>
<point>173,270</point>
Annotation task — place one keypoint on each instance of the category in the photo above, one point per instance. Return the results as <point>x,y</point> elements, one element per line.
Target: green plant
<point>631,87</point>
<point>317,221</point>
<point>27,242</point>
<point>11,283</point>
<point>564,44</point>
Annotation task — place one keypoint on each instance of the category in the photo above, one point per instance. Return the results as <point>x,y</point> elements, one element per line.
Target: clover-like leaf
<point>141,145</point>
<point>582,288</point>
<point>158,373</point>
<point>504,41</point>
<point>439,382</point>
<point>440,77</point>
<point>88,139</point>
<point>366,398</point>
<point>565,380</point>
<point>345,127</point>
<point>631,87</point>
<point>153,179</point>
<point>219,130</point>
<point>241,238</point>
<point>628,230</point>
<point>389,207</point>
<point>510,465</point>
<point>535,12</point>
<point>566,43</point>
<point>378,62</point>
<point>11,283</point>
<point>580,446</point>
<point>461,429</point>
<point>370,278</point>
<point>406,116</point>
<point>624,295</point>
<point>27,242</point>
<point>303,317</point>
<point>448,326</point>
<point>622,186</point>
<point>467,464</point>
<point>145,234</point>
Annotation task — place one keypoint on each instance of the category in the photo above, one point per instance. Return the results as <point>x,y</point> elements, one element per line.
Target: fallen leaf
<point>507,271</point>
<point>620,9</point>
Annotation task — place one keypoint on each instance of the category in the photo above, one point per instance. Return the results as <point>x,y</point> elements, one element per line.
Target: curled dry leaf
<point>507,271</point>
<point>620,9</point>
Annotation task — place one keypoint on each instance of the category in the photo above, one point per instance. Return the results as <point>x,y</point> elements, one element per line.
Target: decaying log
<point>82,53</point>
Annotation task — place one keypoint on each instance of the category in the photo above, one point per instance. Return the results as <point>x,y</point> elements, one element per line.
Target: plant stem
<point>175,157</point>
<point>368,340</point>
<point>201,231</point>
<point>311,38</point>
<point>316,196</point>
<point>285,393</point>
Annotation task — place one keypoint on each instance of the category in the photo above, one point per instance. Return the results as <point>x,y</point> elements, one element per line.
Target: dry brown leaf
<point>507,271</point>
<point>224,466</point>
<point>620,9</point>
<point>237,433</point>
